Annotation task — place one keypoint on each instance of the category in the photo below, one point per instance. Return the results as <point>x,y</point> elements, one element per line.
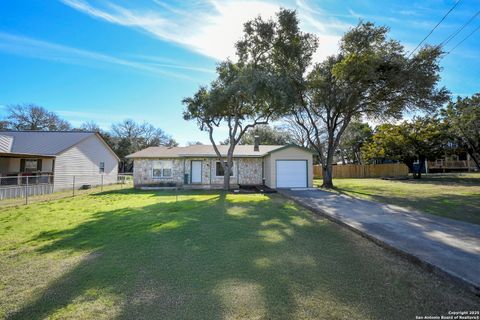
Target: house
<point>460,161</point>
<point>197,166</point>
<point>52,160</point>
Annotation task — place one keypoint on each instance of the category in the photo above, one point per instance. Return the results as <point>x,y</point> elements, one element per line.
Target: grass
<point>129,254</point>
<point>13,202</point>
<point>452,196</point>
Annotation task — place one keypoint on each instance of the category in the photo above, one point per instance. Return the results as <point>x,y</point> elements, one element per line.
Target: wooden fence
<point>364,171</point>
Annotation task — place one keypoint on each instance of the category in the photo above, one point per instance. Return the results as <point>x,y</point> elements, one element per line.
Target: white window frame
<point>161,166</point>
<point>167,176</point>
<point>234,168</point>
<point>31,168</point>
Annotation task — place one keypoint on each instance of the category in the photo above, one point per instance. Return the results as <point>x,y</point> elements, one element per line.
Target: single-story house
<point>54,158</point>
<point>276,166</point>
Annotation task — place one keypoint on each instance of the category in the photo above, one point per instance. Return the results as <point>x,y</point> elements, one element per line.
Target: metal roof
<point>203,151</point>
<point>45,143</point>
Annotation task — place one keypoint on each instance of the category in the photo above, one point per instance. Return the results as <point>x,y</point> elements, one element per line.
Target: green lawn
<point>142,255</point>
<point>451,196</point>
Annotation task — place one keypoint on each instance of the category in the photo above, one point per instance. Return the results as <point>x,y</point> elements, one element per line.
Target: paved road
<point>449,246</point>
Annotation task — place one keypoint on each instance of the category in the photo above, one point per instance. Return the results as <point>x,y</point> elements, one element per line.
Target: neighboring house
<point>54,158</point>
<point>276,166</point>
<point>461,161</point>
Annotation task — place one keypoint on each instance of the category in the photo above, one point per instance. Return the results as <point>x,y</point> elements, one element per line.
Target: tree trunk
<point>226,182</point>
<point>327,176</point>
<point>473,155</point>
<point>227,170</point>
<point>421,165</point>
<point>328,171</point>
<point>409,164</point>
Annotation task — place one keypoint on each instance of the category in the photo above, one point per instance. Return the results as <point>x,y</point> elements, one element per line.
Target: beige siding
<point>14,165</point>
<point>290,153</point>
<point>83,161</point>
<point>47,165</point>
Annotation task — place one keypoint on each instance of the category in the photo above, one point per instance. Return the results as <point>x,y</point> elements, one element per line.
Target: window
<point>162,169</point>
<point>157,173</point>
<point>219,172</point>
<point>101,167</point>
<point>31,165</point>
<point>167,173</point>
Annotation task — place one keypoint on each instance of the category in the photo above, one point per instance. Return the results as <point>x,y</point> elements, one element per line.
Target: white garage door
<point>291,173</point>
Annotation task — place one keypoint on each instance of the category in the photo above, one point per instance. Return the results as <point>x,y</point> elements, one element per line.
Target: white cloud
<point>33,48</point>
<point>103,120</point>
<point>168,63</point>
<point>211,27</point>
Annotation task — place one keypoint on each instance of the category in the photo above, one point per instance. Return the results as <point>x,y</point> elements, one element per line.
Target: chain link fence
<point>23,189</point>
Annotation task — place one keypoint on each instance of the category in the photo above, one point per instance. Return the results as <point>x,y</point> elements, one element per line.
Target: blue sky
<point>105,60</point>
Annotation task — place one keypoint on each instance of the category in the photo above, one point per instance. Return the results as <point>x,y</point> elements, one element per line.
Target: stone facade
<point>248,171</point>
<point>143,172</point>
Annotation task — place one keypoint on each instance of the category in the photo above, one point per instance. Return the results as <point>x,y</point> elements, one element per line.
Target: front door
<point>196,171</point>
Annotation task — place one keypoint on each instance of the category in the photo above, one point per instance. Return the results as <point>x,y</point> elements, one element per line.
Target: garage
<point>291,173</point>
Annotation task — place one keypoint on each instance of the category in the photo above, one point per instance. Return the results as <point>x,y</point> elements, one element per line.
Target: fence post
<point>101,186</point>
<point>176,192</point>
<point>73,187</point>
<point>26,191</point>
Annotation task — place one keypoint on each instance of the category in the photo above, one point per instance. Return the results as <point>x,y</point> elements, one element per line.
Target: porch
<point>452,163</point>
<point>25,175</point>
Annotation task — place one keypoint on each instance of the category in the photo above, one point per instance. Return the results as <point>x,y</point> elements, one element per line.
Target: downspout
<point>263,171</point>
<point>183,177</point>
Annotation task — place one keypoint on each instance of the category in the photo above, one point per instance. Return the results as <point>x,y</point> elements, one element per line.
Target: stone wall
<point>143,175</point>
<point>246,171</point>
<point>250,171</point>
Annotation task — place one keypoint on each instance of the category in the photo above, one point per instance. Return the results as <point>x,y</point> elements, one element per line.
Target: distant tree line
<point>124,137</point>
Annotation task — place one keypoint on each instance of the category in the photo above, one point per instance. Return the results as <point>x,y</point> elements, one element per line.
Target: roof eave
<point>290,146</point>
<point>133,156</point>
<point>19,154</point>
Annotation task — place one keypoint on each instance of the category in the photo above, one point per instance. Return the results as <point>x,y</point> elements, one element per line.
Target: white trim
<point>161,165</point>
<point>233,169</point>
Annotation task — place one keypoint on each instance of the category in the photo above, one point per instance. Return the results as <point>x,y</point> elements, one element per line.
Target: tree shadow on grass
<point>444,180</point>
<point>218,258</point>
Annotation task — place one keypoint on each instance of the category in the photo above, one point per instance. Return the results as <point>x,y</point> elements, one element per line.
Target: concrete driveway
<point>447,246</point>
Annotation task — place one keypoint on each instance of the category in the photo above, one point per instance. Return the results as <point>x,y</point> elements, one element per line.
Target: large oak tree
<point>370,77</point>
<point>241,98</point>
<point>253,90</point>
